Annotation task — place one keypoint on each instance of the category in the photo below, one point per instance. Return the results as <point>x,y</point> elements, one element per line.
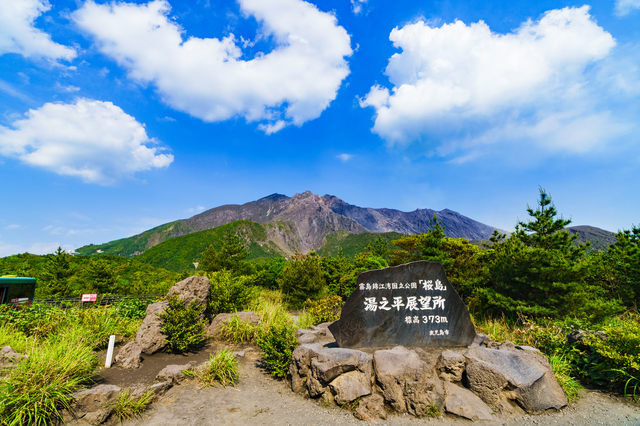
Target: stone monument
<point>412,305</point>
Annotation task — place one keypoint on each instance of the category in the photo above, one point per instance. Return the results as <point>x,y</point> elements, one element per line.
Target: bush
<point>302,279</point>
<point>223,368</point>
<point>323,310</point>
<point>181,324</point>
<point>229,293</point>
<point>277,341</point>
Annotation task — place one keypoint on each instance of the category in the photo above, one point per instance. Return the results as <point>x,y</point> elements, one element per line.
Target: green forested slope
<point>178,254</point>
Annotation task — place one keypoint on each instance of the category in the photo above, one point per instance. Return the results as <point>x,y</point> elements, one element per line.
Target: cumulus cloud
<point>19,35</point>
<point>208,78</point>
<point>93,140</point>
<point>468,85</point>
<point>624,7</point>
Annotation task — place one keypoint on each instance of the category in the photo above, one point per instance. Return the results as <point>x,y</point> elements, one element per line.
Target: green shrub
<point>562,370</point>
<point>229,293</point>
<point>324,310</point>
<point>181,324</point>
<point>277,341</point>
<point>238,331</point>
<point>128,406</point>
<point>221,367</point>
<point>302,279</point>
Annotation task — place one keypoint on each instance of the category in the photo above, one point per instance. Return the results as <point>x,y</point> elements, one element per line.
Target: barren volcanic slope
<point>304,218</point>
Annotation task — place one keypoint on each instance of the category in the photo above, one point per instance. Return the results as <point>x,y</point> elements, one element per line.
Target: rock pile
<point>470,382</point>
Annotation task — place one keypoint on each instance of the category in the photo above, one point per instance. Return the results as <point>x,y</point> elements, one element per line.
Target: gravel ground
<point>258,399</point>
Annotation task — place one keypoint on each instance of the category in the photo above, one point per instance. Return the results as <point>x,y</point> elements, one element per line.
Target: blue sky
<point>118,117</point>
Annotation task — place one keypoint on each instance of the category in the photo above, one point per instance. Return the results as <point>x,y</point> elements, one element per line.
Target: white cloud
<point>93,140</point>
<point>13,227</point>
<point>208,77</point>
<point>36,248</point>
<point>358,6</point>
<point>344,157</point>
<point>195,209</point>
<point>624,7</point>
<point>19,35</point>
<point>465,85</point>
<point>68,88</point>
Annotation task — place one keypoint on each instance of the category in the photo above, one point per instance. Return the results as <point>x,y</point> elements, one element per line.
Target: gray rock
<point>528,374</point>
<point>300,368</point>
<point>160,388</point>
<point>221,319</point>
<point>172,373</point>
<point>150,337</point>
<point>94,405</point>
<point>450,365</point>
<point>486,381</point>
<point>330,363</point>
<point>371,408</point>
<point>130,356</point>
<point>314,387</point>
<point>193,289</point>
<point>420,395</point>
<point>464,403</point>
<point>350,386</point>
<point>394,368</point>
<point>9,357</point>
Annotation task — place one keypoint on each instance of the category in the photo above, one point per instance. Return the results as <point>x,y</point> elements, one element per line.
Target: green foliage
<point>178,254</point>
<point>221,367</point>
<point>352,244</point>
<point>423,246</point>
<point>230,256</point>
<point>268,271</point>
<point>238,331</point>
<point>323,310</point>
<point>181,324</point>
<point>127,406</point>
<point>63,275</point>
<point>562,371</point>
<point>56,274</point>
<point>539,271</point>
<point>229,293</point>
<point>277,341</point>
<point>302,279</point>
<point>433,410</point>
<point>35,391</point>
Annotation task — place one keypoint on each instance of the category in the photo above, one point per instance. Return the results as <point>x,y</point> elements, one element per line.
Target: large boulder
<point>528,374</point>
<point>94,405</point>
<point>407,382</point>
<point>130,356</point>
<point>221,319</point>
<point>150,338</point>
<point>464,403</point>
<point>193,289</point>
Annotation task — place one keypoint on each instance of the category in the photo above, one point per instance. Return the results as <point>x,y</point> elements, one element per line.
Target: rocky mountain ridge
<point>301,223</point>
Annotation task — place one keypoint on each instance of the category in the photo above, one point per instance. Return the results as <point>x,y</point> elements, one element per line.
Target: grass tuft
<point>221,367</point>
<point>128,406</point>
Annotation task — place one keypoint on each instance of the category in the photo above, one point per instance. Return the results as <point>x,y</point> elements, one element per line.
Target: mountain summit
<point>301,223</point>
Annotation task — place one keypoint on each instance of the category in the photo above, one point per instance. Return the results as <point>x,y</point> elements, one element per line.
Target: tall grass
<point>221,367</point>
<point>37,388</point>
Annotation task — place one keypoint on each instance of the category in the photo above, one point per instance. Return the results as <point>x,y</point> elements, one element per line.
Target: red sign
<point>89,297</point>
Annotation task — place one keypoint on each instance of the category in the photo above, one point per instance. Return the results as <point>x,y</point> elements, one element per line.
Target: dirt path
<point>258,399</point>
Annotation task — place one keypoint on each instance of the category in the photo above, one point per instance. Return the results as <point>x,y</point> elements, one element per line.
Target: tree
<point>99,275</point>
<point>426,246</point>
<point>539,271</point>
<point>302,279</point>
<point>231,255</point>
<point>56,274</point>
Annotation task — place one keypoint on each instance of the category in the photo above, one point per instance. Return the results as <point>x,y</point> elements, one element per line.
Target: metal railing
<point>101,300</point>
